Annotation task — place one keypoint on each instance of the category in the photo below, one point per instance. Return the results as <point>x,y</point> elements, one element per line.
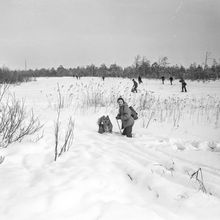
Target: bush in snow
<point>68,137</point>
<point>199,178</point>
<point>15,121</point>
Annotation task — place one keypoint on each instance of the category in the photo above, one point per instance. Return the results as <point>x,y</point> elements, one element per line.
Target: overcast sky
<point>49,33</point>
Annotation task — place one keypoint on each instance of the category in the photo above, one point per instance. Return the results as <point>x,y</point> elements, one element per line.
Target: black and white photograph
<point>109,109</point>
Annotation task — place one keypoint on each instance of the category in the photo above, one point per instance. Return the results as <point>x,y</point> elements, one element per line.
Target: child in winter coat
<point>125,116</point>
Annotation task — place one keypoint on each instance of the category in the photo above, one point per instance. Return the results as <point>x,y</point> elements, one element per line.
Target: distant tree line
<point>14,76</point>
<point>141,67</point>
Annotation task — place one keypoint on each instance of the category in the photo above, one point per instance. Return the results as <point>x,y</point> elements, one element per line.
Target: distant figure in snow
<point>163,79</point>
<point>183,85</point>
<point>171,80</point>
<point>125,116</point>
<point>103,78</point>
<point>139,80</point>
<point>134,88</point>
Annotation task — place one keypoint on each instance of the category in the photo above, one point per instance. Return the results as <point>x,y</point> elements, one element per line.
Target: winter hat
<point>120,98</point>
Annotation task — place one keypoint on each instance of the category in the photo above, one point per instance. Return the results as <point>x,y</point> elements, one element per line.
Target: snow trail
<point>107,176</point>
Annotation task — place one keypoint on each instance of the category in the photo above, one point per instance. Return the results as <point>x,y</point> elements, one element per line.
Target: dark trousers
<point>127,131</point>
<point>184,88</point>
<point>134,88</point>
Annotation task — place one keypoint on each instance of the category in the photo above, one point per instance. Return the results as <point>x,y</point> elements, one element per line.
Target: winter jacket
<point>135,84</point>
<point>125,115</point>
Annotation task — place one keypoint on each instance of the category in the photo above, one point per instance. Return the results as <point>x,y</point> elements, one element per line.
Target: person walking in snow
<point>139,80</point>
<point>171,80</point>
<point>125,116</point>
<point>163,79</point>
<point>134,88</point>
<point>183,85</point>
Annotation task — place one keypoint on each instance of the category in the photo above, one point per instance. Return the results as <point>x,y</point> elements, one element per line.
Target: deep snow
<point>108,176</point>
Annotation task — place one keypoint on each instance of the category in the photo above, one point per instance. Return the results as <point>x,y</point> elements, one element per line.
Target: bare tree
<point>163,62</point>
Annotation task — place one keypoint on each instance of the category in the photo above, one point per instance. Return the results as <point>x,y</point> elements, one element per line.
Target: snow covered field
<point>109,176</point>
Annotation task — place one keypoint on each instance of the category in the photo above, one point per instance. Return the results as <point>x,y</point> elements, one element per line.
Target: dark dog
<point>104,124</point>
